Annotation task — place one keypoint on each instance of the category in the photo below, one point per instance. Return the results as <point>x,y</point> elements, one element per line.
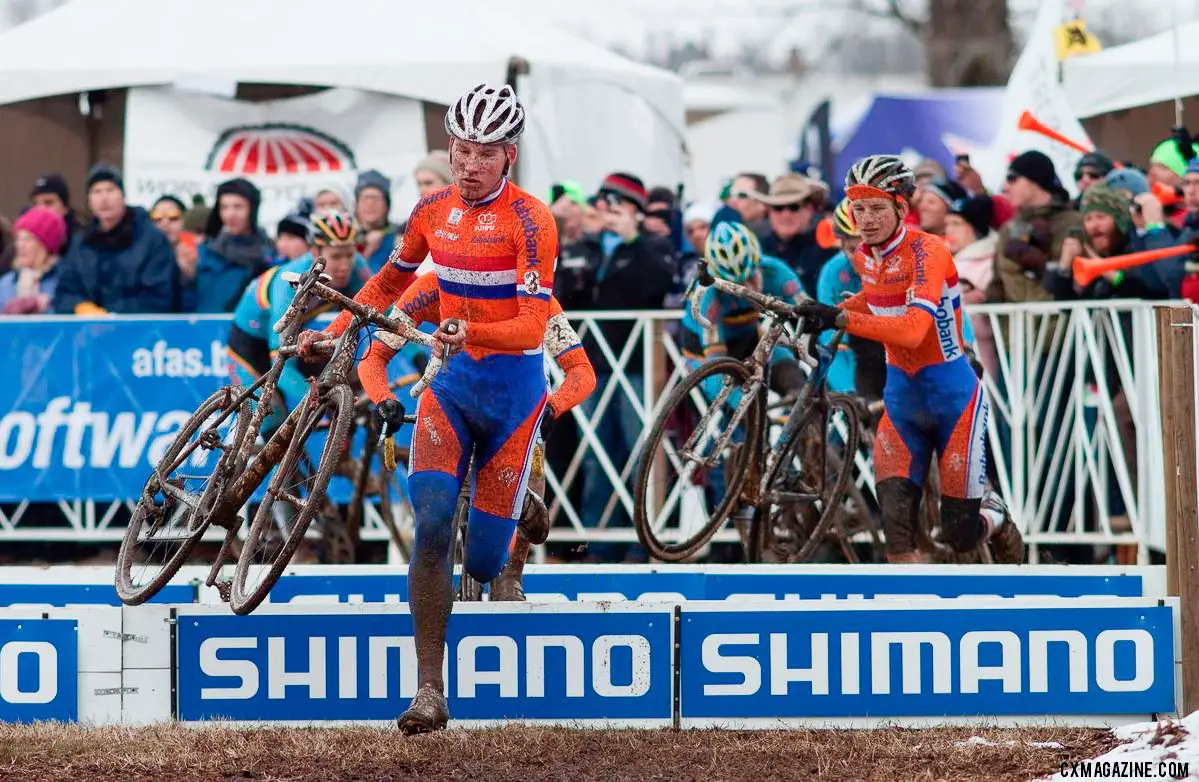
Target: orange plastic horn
<point>1029,122</point>
<point>825,236</point>
<point>1086,270</point>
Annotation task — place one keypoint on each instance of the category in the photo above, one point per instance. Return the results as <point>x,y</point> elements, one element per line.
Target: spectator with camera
<point>623,268</point>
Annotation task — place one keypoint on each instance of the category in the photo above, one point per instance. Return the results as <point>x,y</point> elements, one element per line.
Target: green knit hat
<point>1101,198</point>
<point>1168,155</point>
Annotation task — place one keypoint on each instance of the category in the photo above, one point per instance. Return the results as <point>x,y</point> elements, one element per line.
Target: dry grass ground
<point>44,753</point>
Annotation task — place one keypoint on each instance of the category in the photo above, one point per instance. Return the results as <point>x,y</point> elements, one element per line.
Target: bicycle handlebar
<point>803,348</point>
<point>312,283</point>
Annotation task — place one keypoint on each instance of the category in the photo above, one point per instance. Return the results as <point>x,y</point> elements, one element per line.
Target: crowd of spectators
<point>626,246</point>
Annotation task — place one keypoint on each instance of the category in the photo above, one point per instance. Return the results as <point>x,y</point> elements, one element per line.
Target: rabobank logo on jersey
<point>912,661</point>
<point>38,670</point>
<point>522,663</point>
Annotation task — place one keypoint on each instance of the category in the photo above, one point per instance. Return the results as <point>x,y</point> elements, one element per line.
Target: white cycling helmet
<point>733,252</point>
<point>880,174</point>
<point>486,115</point>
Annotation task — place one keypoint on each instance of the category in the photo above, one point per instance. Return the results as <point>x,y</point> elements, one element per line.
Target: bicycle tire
<point>832,494</point>
<point>339,403</point>
<point>677,400</point>
<point>469,590</point>
<point>126,590</point>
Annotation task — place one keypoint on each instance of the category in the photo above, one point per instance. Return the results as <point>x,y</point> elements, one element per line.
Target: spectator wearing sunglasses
<point>794,203</point>
<point>1034,236</point>
<point>744,197</point>
<point>167,216</point>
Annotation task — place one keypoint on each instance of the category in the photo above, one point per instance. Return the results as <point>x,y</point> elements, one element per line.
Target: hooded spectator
<point>1034,237</point>
<point>29,288</point>
<point>795,203</point>
<point>235,250</point>
<point>745,197</point>
<point>330,199</point>
<point>291,238</point>
<point>372,204</point>
<point>433,173</point>
<point>167,215</point>
<point>119,263</point>
<point>935,200</point>
<point>972,242</point>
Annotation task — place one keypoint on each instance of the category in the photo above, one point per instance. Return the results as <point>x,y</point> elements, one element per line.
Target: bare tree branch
<point>892,12</point>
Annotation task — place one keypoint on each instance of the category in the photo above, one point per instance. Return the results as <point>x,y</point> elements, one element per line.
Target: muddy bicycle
<point>187,493</point>
<point>787,490</point>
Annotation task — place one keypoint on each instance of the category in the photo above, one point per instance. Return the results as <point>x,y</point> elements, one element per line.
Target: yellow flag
<point>1073,39</point>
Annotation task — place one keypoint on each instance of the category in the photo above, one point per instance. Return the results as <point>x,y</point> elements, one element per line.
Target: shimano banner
<point>92,405</point>
<point>546,583</point>
<point>578,663</point>
<point>923,659</point>
<point>39,664</point>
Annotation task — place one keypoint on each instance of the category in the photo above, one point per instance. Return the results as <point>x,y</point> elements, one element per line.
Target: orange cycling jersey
<point>494,264</point>
<point>421,304</point>
<point>910,301</point>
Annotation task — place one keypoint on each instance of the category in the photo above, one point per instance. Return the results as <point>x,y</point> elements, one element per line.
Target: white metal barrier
<point>1056,432</point>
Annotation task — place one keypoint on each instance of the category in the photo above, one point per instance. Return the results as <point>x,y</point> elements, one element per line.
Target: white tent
<point>1136,74</point>
<point>591,111</point>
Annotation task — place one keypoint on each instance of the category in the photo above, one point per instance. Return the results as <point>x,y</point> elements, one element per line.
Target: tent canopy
<point>1135,74</point>
<point>591,111</point>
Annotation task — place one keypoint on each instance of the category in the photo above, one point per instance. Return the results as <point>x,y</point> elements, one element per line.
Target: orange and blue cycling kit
<point>911,303</point>
<point>421,303</point>
<point>494,260</point>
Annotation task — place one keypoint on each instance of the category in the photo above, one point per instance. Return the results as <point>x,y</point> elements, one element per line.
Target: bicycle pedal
<point>224,589</point>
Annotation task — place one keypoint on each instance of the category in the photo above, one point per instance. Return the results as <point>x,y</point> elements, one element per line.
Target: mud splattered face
<point>478,168</point>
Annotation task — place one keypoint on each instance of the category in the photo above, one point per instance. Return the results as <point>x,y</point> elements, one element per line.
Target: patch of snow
<point>979,741</point>
<point>1176,742</point>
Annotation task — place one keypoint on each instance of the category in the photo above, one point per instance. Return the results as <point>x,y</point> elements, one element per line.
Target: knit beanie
<point>48,227</point>
<point>976,211</point>
<point>238,187</point>
<point>438,164</point>
<point>293,225</point>
<point>102,172</point>
<point>1036,167</point>
<point>1128,179</point>
<point>1102,198</point>
<point>53,184</point>
<point>625,186</point>
<point>1167,154</point>
<point>947,190</point>
<point>1094,160</point>
<point>376,180</point>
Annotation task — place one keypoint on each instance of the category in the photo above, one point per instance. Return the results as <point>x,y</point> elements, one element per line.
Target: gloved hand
<point>547,424</point>
<point>306,340</point>
<point>390,412</point>
<point>818,318</point>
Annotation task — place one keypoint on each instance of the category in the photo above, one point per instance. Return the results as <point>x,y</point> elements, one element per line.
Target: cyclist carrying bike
<point>493,248</point>
<point>733,254</point>
<point>911,302</point>
<point>421,303</point>
<point>253,342</point>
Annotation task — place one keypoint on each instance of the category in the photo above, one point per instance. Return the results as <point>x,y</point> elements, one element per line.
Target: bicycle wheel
<point>172,513</point>
<point>808,485</point>
<point>469,590</point>
<point>292,500</point>
<point>732,436</point>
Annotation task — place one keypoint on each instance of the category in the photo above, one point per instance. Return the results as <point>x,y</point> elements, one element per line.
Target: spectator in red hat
<point>28,288</point>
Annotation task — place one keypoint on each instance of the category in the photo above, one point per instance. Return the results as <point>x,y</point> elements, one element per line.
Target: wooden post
<point>1176,371</point>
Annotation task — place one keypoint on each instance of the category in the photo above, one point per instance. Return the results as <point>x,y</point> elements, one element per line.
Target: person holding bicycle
<point>253,342</point>
<point>494,248</point>
<point>421,303</point>
<point>734,254</point>
<point>911,303</point>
